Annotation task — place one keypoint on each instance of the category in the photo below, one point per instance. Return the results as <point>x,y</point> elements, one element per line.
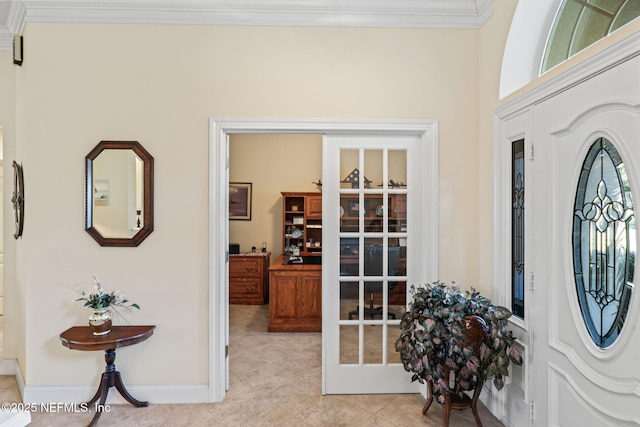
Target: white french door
<point>379,238</point>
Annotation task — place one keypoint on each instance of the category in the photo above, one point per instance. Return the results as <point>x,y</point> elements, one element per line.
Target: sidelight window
<point>517,228</point>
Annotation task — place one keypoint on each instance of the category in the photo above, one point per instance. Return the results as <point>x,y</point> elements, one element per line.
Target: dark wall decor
<point>18,49</point>
<point>18,199</point>
<point>240,200</point>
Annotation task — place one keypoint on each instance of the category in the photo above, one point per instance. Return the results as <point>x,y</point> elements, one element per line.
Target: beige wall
<point>492,39</point>
<point>159,84</point>
<point>14,293</point>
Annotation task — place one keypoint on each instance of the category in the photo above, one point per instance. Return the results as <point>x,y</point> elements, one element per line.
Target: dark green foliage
<point>105,299</point>
<point>432,336</point>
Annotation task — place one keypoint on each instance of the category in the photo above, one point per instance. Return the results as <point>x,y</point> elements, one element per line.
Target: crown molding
<point>356,13</point>
<point>316,13</point>
<point>15,21</point>
<point>6,39</point>
<point>16,18</point>
<point>485,10</point>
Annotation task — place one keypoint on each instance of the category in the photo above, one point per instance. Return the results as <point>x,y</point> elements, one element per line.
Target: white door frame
<point>219,129</point>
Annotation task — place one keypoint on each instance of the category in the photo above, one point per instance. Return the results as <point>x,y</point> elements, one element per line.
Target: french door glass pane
<point>373,241</point>
<point>372,347</point>
<point>348,300</point>
<point>397,168</point>
<point>372,170</point>
<point>348,345</point>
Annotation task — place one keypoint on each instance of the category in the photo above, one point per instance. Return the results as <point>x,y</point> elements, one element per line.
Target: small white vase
<point>100,321</point>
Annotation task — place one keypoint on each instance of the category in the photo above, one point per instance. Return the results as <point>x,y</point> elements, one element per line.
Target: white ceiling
<point>15,14</point>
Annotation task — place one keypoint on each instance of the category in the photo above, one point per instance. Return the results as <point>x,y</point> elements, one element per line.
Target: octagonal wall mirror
<point>119,193</point>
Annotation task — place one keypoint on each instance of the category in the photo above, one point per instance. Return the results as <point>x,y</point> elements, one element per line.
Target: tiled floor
<point>267,389</point>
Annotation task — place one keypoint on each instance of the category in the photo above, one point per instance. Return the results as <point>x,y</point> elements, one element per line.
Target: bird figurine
<point>394,184</point>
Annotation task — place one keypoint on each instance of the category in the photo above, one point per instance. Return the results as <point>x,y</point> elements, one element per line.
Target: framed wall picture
<point>101,192</point>
<point>240,200</point>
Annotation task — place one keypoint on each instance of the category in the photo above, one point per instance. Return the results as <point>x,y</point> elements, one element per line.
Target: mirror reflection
<point>119,193</point>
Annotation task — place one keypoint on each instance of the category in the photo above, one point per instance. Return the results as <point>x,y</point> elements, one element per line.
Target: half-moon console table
<point>82,338</point>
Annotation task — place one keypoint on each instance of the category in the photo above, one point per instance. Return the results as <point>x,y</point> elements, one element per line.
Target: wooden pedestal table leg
<point>111,378</point>
<point>102,389</point>
<point>123,391</point>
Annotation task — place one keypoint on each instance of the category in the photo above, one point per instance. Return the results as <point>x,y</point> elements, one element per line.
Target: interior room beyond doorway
<point>272,163</point>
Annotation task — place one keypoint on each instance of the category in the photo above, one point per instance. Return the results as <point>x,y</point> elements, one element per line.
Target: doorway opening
<point>268,164</point>
<point>220,132</point>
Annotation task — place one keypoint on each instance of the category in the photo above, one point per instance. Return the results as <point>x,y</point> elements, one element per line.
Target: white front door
<point>585,313</point>
<point>379,237</point>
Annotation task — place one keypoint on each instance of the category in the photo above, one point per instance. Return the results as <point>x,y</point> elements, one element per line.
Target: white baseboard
<point>198,393</point>
<point>151,393</point>
<point>15,419</point>
<point>8,367</point>
<point>11,367</point>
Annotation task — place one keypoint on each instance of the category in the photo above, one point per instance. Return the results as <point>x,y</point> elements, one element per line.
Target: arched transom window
<point>580,23</point>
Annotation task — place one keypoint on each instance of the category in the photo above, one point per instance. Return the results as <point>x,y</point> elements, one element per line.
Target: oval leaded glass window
<point>604,244</point>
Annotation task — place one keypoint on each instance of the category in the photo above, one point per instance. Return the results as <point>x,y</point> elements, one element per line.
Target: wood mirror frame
<point>147,194</point>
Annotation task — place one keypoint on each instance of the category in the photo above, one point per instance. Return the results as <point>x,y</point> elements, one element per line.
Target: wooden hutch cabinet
<point>248,278</point>
<point>295,294</point>
<point>302,212</point>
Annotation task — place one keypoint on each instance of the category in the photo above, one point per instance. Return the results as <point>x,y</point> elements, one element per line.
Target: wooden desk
<point>295,297</point>
<point>82,338</point>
